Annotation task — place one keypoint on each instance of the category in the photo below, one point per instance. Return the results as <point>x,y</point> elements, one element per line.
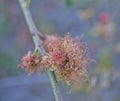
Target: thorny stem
<point>38,45</point>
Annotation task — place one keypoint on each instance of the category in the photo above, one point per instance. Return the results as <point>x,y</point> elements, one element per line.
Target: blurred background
<point>97,20</point>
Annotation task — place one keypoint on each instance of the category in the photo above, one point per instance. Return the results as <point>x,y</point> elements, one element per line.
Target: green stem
<point>55,88</point>
<point>38,45</point>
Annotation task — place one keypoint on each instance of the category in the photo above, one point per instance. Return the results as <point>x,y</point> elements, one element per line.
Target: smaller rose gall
<point>31,62</point>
